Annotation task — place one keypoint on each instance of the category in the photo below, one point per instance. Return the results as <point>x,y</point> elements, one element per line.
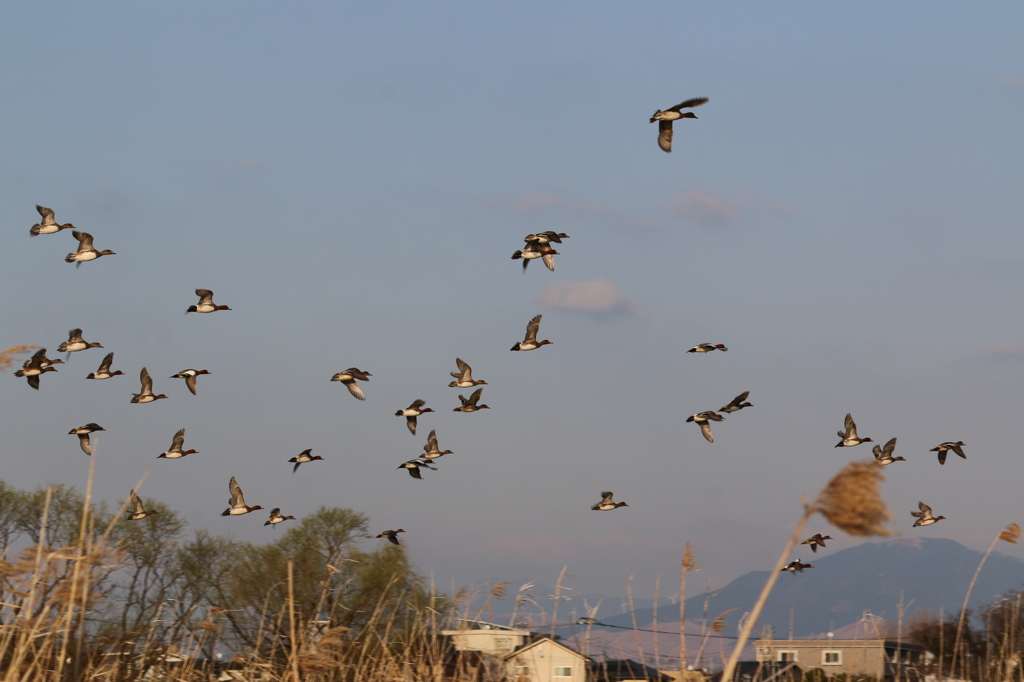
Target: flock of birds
<point>536,246</point>
<point>539,245</point>
<point>848,438</point>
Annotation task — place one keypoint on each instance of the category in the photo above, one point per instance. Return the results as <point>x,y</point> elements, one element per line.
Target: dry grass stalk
<point>851,501</point>
<point>9,356</point>
<point>689,564</point>
<point>1009,534</point>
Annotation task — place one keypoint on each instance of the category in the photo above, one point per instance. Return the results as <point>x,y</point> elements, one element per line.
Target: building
<point>487,638</point>
<point>490,651</point>
<point>545,660</point>
<point>879,658</point>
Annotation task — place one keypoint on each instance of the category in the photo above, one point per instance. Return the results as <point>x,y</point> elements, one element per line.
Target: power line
<point>584,621</point>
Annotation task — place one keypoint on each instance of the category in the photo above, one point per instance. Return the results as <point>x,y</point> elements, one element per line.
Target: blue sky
<point>352,178</point>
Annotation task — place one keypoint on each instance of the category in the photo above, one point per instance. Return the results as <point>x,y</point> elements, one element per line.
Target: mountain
<point>931,572</point>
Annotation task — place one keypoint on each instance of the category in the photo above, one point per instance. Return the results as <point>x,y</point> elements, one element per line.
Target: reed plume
<point>851,502</point>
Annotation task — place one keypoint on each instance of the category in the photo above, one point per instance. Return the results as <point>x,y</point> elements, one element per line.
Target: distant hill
<point>931,572</point>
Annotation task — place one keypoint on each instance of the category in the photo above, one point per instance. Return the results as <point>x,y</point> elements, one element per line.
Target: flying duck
<point>146,396</point>
<point>49,225</point>
<point>206,304</point>
<point>924,517</point>
<point>796,566</point>
<point>430,450</point>
<point>85,252</point>
<point>666,117</point>
<point>302,458</point>
<point>76,343</point>
<point>35,366</point>
<point>470,404</point>
<point>189,375</point>
<point>391,535</point>
<point>534,249</point>
<point>237,502</point>
<point>546,237</point>
<point>410,413</point>
<point>39,359</point>
<point>104,371</point>
<point>883,455</point>
<point>275,517</point>
<point>464,377</point>
<point>816,540</point>
<point>83,435</point>
<point>531,342</point>
<point>849,437</point>
<point>707,348</point>
<point>607,503</point>
<point>943,448</point>
<point>349,376</point>
<point>704,419</point>
<point>175,451</point>
<point>737,403</point>
<point>137,511</point>
<point>413,466</point>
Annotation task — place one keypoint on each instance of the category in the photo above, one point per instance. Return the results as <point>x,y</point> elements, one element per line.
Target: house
<point>880,658</point>
<point>487,638</point>
<point>545,660</point>
<point>483,648</point>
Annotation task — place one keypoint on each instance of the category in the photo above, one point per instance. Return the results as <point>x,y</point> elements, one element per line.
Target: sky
<point>352,179</point>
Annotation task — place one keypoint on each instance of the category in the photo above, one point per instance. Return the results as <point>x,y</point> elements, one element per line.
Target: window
<point>787,657</point>
<point>563,671</point>
<point>831,657</point>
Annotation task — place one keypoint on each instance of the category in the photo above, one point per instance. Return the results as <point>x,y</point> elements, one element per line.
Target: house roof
<point>625,668</point>
<point>541,640</point>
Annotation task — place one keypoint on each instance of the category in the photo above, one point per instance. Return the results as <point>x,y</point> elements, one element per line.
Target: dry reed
<point>851,502</point>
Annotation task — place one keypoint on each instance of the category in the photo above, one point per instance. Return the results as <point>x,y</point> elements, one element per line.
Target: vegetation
<point>991,642</point>
<point>94,595</point>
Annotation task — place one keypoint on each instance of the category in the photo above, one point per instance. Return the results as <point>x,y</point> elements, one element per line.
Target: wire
<point>660,632</point>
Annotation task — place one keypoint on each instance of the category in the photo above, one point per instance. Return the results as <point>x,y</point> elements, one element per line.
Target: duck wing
<point>205,296</point>
<point>738,399</point>
<point>179,440</point>
<point>532,328</point>
<point>354,389</point>
<point>665,135</point>
<point>705,428</point>
<point>105,365</point>
<point>236,493</point>
<point>474,398</point>
<point>47,214</point>
<point>851,428</point>
<point>147,381</point>
<point>693,102</point>
<point>137,503</point>
<point>84,240</point>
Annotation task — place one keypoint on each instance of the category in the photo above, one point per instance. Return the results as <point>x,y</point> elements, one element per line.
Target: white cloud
<point>597,297</point>
<point>707,206</point>
<point>1004,352</point>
